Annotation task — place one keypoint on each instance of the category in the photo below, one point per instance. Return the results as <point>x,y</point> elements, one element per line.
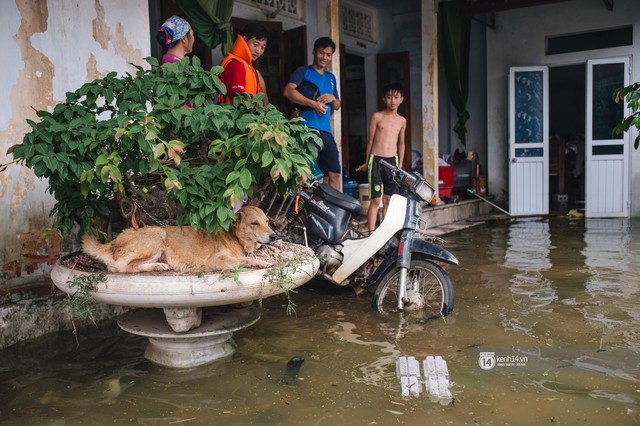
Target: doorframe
<point>403,75</point>
<point>528,172</point>
<point>574,59</point>
<point>594,186</point>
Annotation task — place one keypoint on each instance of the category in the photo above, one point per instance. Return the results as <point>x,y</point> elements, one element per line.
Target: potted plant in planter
<point>160,134</point>
<point>155,147</point>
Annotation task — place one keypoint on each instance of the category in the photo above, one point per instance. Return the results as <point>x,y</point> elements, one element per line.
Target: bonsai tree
<point>631,95</point>
<point>160,136</point>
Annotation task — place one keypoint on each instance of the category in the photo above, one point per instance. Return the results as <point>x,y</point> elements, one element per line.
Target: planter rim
<point>175,290</point>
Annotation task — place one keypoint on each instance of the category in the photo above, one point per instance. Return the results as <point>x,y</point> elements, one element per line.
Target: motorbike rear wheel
<point>429,291</point>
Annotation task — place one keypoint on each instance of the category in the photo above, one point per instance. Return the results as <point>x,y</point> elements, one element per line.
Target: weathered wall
<point>519,40</point>
<point>49,48</point>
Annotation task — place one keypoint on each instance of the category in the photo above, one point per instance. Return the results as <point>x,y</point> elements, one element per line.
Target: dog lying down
<point>164,248</point>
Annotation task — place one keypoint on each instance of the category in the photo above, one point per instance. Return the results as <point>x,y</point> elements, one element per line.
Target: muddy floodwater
<point>552,305</point>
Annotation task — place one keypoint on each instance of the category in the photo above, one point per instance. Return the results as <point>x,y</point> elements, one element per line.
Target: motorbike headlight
<point>424,191</point>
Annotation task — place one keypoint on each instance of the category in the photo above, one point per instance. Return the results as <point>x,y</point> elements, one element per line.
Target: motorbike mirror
<point>412,181</point>
<point>424,191</point>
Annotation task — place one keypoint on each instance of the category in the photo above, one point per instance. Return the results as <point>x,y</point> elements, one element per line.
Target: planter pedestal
<point>189,319</point>
<point>209,342</point>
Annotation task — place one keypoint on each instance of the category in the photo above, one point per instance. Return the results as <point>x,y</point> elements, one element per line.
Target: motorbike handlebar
<point>412,182</point>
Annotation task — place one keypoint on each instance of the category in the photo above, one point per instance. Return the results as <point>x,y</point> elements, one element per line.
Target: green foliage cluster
<point>163,128</point>
<point>80,303</point>
<point>631,95</point>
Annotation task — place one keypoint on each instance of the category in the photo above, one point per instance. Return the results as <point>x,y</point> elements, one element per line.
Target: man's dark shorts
<point>328,158</point>
<point>380,176</point>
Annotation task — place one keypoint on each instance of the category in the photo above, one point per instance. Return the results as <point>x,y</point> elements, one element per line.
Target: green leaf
<point>228,193</point>
<point>222,214</point>
<point>151,135</point>
<point>245,178</point>
<point>104,173</point>
<point>232,176</point>
<point>159,150</point>
<point>114,173</point>
<point>102,160</point>
<point>84,189</point>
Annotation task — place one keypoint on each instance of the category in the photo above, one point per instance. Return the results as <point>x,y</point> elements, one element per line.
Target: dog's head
<point>251,227</point>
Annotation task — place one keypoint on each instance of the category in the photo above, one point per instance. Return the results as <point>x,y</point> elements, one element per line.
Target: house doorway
<point>355,96</point>
<point>567,107</point>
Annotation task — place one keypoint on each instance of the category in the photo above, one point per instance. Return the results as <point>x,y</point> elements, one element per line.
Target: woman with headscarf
<point>177,37</point>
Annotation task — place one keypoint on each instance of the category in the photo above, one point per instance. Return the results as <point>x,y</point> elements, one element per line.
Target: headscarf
<point>175,28</point>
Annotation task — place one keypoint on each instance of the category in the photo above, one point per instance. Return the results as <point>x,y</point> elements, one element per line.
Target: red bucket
<point>445,176</point>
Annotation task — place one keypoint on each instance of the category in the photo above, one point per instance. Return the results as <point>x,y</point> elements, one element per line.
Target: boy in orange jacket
<point>239,75</point>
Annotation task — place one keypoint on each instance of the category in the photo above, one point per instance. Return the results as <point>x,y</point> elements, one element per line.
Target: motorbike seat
<point>333,196</point>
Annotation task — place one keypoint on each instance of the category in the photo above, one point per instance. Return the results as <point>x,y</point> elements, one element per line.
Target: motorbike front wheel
<point>429,291</point>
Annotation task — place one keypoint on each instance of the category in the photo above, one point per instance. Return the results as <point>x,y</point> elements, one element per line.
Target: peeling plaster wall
<point>49,48</point>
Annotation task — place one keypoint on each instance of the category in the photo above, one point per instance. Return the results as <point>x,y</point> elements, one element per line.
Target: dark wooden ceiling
<point>491,6</point>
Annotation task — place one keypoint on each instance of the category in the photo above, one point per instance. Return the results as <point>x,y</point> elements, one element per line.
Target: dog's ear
<point>239,215</point>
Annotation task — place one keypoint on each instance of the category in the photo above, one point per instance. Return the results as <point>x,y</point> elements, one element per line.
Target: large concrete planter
<point>173,290</point>
<point>180,335</point>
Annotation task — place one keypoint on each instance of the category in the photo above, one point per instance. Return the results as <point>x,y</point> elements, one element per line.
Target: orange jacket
<point>240,53</point>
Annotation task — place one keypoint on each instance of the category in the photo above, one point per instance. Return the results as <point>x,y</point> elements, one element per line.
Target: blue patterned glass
<point>529,106</point>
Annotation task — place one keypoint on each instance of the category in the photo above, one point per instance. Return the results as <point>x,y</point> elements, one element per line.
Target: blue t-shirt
<point>326,83</point>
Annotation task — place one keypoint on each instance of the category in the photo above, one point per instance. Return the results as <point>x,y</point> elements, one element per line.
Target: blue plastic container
<point>350,187</point>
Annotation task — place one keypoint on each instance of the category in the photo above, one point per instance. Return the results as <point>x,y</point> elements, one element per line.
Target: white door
<point>606,157</point>
<point>528,141</point>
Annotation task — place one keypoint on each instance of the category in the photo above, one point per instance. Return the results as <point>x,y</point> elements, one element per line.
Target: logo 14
<point>487,360</point>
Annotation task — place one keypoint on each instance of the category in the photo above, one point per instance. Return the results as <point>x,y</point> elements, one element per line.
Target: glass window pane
<point>607,113</point>
<point>607,150</point>
<point>592,40</point>
<point>529,106</point>
<point>528,152</point>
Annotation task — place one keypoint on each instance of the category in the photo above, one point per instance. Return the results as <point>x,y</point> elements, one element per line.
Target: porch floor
<point>448,218</point>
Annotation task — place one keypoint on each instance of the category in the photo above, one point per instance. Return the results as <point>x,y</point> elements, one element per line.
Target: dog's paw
<point>162,267</point>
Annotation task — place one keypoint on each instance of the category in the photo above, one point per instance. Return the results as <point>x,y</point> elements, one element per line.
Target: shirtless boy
<point>386,142</point>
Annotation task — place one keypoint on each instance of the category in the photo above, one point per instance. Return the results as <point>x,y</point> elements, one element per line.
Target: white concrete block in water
<point>414,366</point>
<point>441,366</point>
<point>408,371</point>
<point>415,386</point>
<point>401,367</point>
<point>404,386</point>
<point>435,378</point>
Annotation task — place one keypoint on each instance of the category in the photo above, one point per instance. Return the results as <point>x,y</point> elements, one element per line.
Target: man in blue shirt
<point>317,106</point>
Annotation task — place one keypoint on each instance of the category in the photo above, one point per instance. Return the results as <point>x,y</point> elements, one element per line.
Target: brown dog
<point>155,248</point>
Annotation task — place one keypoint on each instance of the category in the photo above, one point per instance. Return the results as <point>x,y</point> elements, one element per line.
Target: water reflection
<point>528,254</point>
<point>528,246</point>
<point>611,257</point>
<point>561,293</point>
<point>375,370</point>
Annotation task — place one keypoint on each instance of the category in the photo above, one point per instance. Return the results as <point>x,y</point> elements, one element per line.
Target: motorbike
<point>396,262</point>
